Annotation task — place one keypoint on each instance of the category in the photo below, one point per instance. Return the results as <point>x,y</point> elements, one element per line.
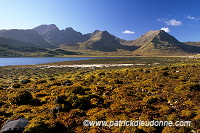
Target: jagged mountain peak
<point>105,32</point>
<point>44,29</point>
<point>164,36</point>
<point>96,31</point>
<point>158,42</point>
<point>152,34</point>
<point>52,34</point>
<point>159,35</point>
<point>155,32</point>
<point>50,25</point>
<point>69,28</point>
<point>97,35</point>
<point>70,31</point>
<point>45,25</point>
<point>100,32</point>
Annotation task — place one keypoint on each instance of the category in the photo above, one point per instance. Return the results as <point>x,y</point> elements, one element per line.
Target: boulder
<point>106,93</point>
<point>14,126</point>
<point>25,81</point>
<point>55,110</point>
<point>59,100</point>
<point>21,98</point>
<point>51,79</point>
<point>117,81</point>
<point>67,83</point>
<point>16,85</point>
<point>101,73</point>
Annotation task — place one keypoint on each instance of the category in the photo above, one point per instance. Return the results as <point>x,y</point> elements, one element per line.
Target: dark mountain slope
<point>50,33</point>
<point>72,36</point>
<point>15,48</point>
<point>11,48</point>
<point>26,36</point>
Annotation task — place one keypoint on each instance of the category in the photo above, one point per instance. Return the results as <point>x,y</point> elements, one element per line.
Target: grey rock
<point>55,110</point>
<point>14,126</point>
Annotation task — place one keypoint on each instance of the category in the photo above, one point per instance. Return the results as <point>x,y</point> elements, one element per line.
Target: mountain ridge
<point>152,43</point>
<point>100,41</point>
<point>159,42</point>
<point>53,35</point>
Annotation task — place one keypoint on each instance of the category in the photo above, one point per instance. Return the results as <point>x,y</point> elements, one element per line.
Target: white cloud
<point>173,22</point>
<point>166,29</point>
<point>190,17</point>
<point>159,19</point>
<point>128,32</point>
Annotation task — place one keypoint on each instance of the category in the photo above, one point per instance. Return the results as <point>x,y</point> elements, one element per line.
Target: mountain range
<point>48,38</point>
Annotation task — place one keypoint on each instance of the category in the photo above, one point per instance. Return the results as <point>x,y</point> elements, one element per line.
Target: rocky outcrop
<point>14,126</point>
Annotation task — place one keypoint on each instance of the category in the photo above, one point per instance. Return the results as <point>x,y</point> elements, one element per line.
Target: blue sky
<point>126,19</point>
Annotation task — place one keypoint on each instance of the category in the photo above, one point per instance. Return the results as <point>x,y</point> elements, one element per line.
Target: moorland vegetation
<point>60,99</point>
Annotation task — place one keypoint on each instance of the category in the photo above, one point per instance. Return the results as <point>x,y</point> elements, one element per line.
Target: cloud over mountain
<point>128,32</point>
<point>166,29</point>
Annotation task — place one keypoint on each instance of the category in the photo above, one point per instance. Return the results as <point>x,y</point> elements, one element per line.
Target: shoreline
<point>80,59</point>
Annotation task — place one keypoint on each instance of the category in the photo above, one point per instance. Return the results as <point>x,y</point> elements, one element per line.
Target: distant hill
<point>11,48</point>
<point>160,43</point>
<point>15,48</point>
<point>99,41</point>
<point>52,34</point>
<point>197,44</point>
<point>26,36</point>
